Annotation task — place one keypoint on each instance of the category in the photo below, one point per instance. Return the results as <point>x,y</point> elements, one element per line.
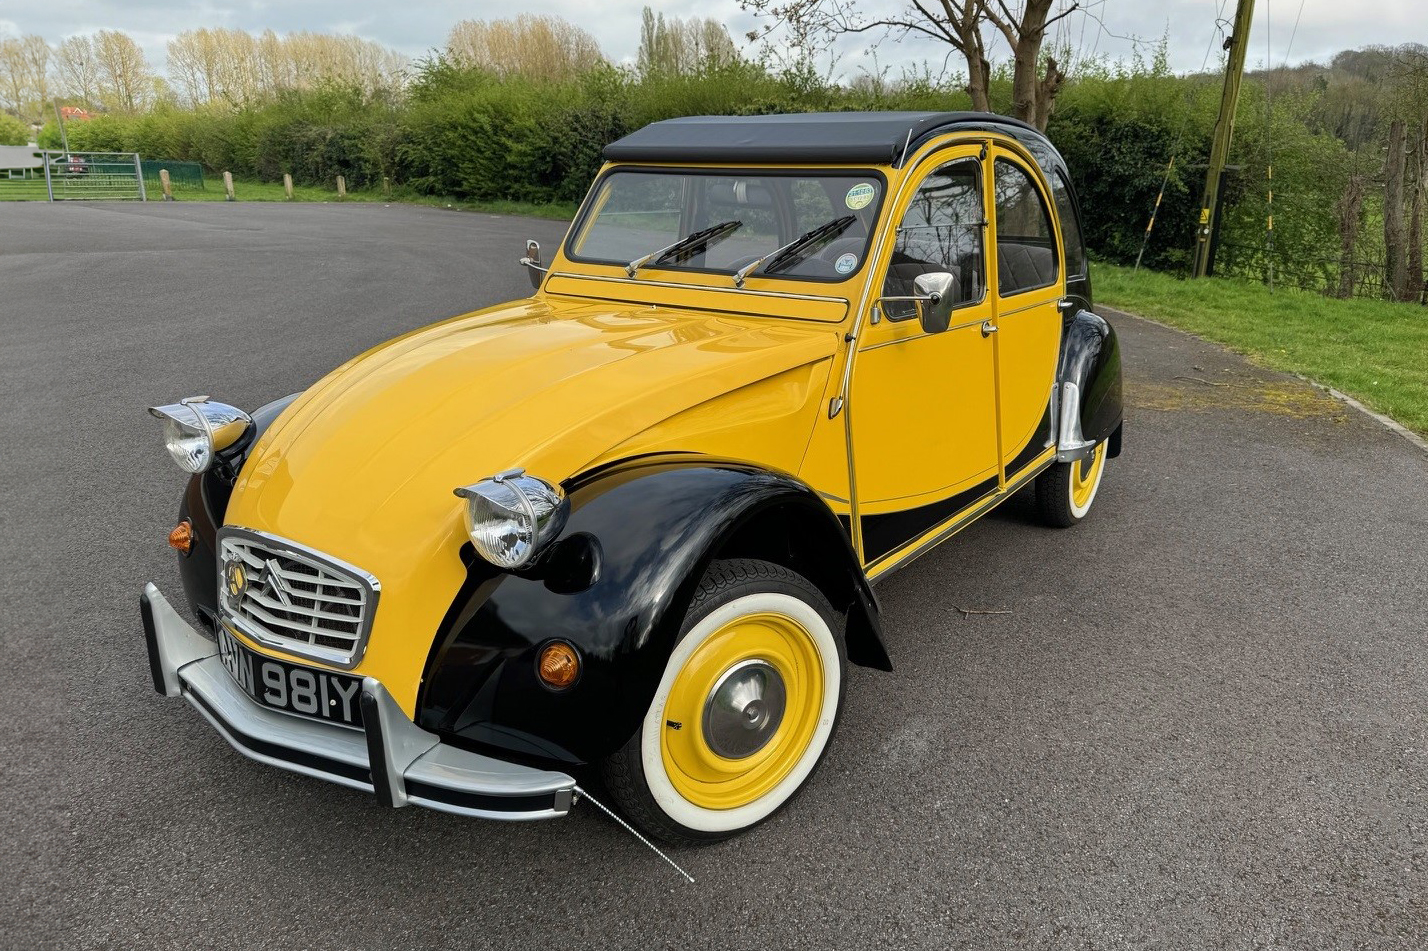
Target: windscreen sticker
<point>846,263</point>
<point>860,196</point>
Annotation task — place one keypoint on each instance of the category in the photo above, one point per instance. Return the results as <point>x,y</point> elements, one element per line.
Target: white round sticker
<point>860,196</point>
<point>845,263</point>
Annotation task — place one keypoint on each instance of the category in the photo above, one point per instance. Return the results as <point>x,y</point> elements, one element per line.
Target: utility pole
<point>1208,229</point>
<point>64,136</point>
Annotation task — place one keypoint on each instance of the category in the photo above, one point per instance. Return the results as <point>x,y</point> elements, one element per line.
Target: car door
<point>1029,284</point>
<point>922,415</point>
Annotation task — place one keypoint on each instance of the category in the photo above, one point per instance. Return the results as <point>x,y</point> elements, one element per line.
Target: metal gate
<point>93,175</point>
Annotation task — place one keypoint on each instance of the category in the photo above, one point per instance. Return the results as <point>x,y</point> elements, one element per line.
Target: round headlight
<point>512,517</point>
<point>197,429</point>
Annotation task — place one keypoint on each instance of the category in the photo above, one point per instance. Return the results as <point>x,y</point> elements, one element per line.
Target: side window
<point>1026,252</point>
<point>1071,242</point>
<point>941,231</point>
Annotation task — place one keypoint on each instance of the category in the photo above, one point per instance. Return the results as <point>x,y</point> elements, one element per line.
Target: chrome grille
<point>287,596</point>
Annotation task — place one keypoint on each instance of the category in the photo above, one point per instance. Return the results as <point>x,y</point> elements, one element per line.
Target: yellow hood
<point>363,465</point>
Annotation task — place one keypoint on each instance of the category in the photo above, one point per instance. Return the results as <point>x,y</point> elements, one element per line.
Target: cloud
<point>1115,28</point>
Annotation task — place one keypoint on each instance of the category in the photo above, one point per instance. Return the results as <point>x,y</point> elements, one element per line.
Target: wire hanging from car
<point>631,830</point>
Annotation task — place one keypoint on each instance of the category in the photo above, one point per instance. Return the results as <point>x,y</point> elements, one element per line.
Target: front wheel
<point>1065,491</point>
<point>749,699</point>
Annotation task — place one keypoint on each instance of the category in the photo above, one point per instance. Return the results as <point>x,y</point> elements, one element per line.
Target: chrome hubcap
<point>744,710</point>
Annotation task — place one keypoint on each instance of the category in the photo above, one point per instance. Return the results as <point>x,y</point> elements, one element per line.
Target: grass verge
<point>273,191</point>
<point>1374,351</point>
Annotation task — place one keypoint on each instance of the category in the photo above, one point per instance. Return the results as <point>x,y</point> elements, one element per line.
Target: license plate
<point>318,694</point>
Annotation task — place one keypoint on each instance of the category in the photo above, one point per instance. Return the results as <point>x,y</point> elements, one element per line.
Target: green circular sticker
<point>860,196</point>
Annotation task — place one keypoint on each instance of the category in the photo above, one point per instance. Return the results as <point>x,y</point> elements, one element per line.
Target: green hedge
<point>472,135</point>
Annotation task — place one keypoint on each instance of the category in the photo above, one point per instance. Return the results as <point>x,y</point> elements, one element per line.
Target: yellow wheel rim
<point>1085,476</point>
<point>742,711</point>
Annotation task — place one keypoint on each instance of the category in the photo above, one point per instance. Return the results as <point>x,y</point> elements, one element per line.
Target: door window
<point>1071,243</point>
<point>1026,244</point>
<point>941,231</point>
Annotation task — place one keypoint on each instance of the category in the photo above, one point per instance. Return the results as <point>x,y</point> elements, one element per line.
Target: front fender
<point>649,528</point>
<point>205,500</point>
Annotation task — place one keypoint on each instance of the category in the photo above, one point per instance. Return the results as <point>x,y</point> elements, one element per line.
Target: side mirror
<point>531,262</point>
<point>936,294</point>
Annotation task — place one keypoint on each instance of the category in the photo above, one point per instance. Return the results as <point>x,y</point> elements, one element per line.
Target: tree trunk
<point>968,26</point>
<point>1350,209</point>
<point>1416,283</point>
<point>1395,228</point>
<point>1047,91</point>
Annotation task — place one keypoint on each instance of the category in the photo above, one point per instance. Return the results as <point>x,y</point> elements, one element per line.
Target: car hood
<point>363,465</point>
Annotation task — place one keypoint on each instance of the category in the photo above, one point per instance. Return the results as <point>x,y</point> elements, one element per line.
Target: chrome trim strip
<point>920,336</point>
<point>700,287</point>
<point>339,754</point>
<point>1023,308</point>
<point>267,629</point>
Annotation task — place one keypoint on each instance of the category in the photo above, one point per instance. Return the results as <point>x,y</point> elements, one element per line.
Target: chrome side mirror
<point>936,294</point>
<point>531,262</point>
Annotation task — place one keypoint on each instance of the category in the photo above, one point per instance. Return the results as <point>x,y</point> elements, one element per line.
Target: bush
<point>13,131</point>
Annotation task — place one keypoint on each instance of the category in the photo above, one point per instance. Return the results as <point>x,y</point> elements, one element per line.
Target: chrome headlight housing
<point>197,429</point>
<point>512,517</point>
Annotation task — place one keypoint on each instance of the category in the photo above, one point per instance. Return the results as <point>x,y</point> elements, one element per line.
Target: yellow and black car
<point>630,526</point>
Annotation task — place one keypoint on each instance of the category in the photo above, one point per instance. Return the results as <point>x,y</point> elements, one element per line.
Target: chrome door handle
<point>988,328</point>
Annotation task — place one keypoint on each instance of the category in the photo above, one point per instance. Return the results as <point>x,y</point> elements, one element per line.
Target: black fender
<point>1091,358</point>
<point>204,503</point>
<point>616,586</point>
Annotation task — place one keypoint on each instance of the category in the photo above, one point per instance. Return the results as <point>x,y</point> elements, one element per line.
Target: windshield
<point>640,220</point>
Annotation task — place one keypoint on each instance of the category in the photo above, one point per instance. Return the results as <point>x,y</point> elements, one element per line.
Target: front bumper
<point>392,757</point>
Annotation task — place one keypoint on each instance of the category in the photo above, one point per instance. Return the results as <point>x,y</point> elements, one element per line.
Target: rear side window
<point>1026,246</point>
<point>1071,242</point>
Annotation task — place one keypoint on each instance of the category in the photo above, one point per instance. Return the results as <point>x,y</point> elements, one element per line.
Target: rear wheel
<point>1065,491</point>
<point>749,699</point>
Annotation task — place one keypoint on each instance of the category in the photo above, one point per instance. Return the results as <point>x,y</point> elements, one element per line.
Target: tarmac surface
<point>1202,723</point>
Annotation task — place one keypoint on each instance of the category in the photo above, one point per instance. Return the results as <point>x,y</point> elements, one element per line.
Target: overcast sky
<point>1326,26</point>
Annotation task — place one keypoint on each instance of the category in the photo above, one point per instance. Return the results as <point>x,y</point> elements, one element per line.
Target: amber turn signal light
<point>181,538</point>
<point>558,665</point>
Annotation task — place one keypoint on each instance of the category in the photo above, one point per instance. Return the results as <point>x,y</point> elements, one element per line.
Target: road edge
<point>1389,423</point>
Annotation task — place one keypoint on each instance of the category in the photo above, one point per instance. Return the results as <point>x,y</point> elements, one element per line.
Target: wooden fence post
<point>165,185</point>
<point>288,186</point>
<point>341,188</point>
<point>228,186</point>
<point>386,186</point>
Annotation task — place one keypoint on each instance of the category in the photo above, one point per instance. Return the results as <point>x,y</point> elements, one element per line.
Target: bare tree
<point>966,26</point>
<point>1395,226</point>
<point>1350,210</point>
<point>77,70</point>
<point>538,46</point>
<point>25,76</point>
<point>682,46</point>
<point>125,81</point>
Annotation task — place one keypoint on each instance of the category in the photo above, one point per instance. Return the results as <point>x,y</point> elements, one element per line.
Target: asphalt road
<point>1201,725</point>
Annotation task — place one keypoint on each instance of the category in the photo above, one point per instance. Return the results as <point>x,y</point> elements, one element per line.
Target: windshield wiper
<point>686,247</point>
<point>793,251</point>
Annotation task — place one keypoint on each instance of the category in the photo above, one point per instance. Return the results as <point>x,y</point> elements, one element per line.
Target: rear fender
<point>1088,399</point>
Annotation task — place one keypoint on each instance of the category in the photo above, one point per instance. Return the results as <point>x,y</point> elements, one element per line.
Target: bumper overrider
<point>392,757</point>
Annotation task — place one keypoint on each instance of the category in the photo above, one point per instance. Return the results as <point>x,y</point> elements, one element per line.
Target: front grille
<point>287,596</point>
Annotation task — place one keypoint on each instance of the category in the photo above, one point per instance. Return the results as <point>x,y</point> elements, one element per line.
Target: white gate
<point>93,175</point>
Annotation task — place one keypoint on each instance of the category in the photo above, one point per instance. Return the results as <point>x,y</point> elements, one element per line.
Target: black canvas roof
<point>877,138</point>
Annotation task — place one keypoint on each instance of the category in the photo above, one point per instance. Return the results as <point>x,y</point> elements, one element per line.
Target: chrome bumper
<point>412,765</point>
